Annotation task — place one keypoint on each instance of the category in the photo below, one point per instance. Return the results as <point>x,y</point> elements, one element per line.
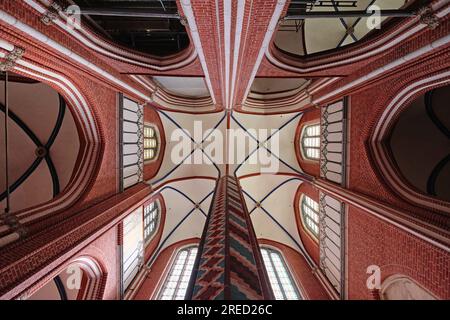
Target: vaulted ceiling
<point>228,83</point>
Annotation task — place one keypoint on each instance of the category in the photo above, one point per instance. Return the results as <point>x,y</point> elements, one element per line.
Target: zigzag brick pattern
<point>229,266</point>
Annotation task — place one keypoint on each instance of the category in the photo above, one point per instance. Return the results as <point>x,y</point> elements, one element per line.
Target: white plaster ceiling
<point>275,218</point>
<point>37,105</point>
<point>285,137</point>
<point>328,33</point>
<point>271,85</point>
<point>280,227</point>
<point>193,87</point>
<point>172,121</point>
<point>183,221</point>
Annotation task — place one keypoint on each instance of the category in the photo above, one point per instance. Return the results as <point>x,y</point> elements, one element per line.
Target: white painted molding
<point>101,46</point>
<point>187,9</point>
<point>13,22</point>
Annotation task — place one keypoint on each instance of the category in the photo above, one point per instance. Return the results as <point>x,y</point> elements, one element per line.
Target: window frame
<point>154,127</point>
<point>304,135</point>
<point>157,205</point>
<point>293,282</point>
<point>304,216</point>
<point>122,119</point>
<point>170,268</point>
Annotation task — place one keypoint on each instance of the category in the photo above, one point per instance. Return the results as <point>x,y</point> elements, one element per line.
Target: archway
<point>82,279</point>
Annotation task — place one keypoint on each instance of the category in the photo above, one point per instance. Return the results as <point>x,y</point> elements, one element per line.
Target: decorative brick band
<point>229,265</point>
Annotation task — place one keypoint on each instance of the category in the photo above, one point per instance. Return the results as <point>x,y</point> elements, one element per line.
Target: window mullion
<point>280,285</point>
<point>177,287</point>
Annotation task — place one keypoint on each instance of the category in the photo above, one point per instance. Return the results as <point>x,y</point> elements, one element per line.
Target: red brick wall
<point>366,107</point>
<point>371,241</point>
<point>104,251</point>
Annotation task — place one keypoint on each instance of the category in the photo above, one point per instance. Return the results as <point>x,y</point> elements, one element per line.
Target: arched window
<point>150,143</point>
<point>281,280</point>
<point>151,218</point>
<point>177,280</point>
<point>310,215</point>
<point>311,142</point>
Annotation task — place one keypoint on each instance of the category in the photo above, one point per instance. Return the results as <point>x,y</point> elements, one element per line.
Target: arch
<point>152,220</point>
<point>81,279</point>
<point>310,215</point>
<point>151,168</point>
<point>425,122</point>
<point>301,37</point>
<point>94,281</point>
<point>39,129</point>
<point>90,142</point>
<point>310,242</point>
<point>401,287</point>
<point>152,244</point>
<point>382,157</point>
<point>310,141</point>
<point>113,51</point>
<point>392,34</point>
<point>151,142</point>
<point>310,117</point>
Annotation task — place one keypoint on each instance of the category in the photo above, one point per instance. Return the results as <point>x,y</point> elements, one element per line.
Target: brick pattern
<point>210,30</point>
<point>367,106</point>
<point>229,265</point>
<point>371,241</point>
<point>257,16</point>
<point>210,278</point>
<point>425,36</point>
<point>26,261</point>
<point>90,225</point>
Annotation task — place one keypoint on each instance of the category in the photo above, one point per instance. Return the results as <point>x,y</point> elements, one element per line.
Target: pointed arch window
<point>311,142</point>
<point>281,280</point>
<point>310,215</point>
<point>151,219</point>
<point>150,142</point>
<point>177,280</point>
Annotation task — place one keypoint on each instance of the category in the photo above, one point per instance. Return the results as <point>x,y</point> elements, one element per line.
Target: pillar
<point>229,265</point>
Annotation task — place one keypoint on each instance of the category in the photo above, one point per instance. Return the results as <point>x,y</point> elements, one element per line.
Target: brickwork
<point>91,225</point>
<point>371,241</point>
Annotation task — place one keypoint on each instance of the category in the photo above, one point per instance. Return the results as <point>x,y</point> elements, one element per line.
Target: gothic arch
<point>90,148</point>
<point>368,47</point>
<point>309,241</point>
<point>401,287</point>
<point>383,159</point>
<point>83,278</point>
